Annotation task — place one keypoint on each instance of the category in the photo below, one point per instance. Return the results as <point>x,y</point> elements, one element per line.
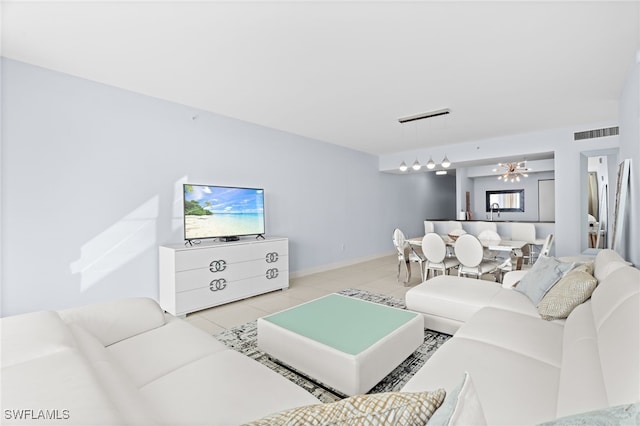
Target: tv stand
<point>260,237</point>
<point>214,272</point>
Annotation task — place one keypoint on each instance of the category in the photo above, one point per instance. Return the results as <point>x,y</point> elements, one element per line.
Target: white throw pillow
<point>542,276</point>
<point>461,407</point>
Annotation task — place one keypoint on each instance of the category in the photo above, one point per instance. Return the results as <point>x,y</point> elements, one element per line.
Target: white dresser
<point>213,273</point>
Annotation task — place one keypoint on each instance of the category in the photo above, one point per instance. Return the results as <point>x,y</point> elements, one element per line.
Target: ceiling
<point>343,72</point>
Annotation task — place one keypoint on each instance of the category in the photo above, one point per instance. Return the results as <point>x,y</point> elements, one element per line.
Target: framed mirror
<point>506,200</point>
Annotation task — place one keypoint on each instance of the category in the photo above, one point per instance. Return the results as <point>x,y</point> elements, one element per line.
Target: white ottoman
<point>345,343</point>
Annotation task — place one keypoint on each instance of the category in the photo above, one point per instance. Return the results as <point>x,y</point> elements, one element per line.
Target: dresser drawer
<point>220,255</point>
<point>202,298</point>
<point>197,278</point>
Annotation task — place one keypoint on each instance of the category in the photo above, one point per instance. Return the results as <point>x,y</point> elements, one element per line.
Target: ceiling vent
<point>597,133</point>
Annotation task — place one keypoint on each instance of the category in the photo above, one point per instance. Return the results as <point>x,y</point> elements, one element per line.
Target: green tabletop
<point>347,324</point>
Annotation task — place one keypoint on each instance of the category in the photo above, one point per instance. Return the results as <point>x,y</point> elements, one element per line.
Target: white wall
<point>91,185</point>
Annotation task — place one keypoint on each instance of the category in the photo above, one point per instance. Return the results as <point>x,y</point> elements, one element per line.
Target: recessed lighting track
<point>430,114</point>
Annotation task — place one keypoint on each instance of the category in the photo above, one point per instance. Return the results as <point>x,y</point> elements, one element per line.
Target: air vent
<point>598,133</point>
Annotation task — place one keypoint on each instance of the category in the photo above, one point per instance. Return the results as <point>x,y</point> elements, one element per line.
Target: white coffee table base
<point>346,373</point>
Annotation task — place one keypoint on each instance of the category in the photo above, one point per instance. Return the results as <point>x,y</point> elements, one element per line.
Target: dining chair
<point>525,232</point>
<point>482,226</point>
<point>489,235</point>
<point>406,255</point>
<point>454,225</point>
<point>428,227</point>
<point>434,250</point>
<point>470,253</point>
<point>546,246</point>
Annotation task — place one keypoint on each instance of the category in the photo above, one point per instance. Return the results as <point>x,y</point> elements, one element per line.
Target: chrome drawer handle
<point>219,284</point>
<point>272,273</point>
<point>218,266</point>
<point>271,257</point>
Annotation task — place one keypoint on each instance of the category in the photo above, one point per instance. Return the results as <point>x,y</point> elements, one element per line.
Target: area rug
<point>244,340</point>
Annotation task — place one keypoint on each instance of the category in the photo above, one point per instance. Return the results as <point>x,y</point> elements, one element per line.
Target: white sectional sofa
<point>126,363</point>
<point>527,370</point>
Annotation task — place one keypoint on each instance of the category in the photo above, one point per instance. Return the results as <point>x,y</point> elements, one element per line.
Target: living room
<point>92,175</point>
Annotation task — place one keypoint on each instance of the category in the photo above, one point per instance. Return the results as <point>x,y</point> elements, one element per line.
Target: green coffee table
<point>345,343</point>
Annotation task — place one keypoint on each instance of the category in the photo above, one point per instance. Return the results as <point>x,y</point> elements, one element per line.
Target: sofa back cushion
<point>111,322</point>
<point>606,262</point>
<point>601,347</point>
<point>33,335</point>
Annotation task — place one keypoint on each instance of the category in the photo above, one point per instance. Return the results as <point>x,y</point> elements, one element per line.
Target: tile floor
<point>378,276</point>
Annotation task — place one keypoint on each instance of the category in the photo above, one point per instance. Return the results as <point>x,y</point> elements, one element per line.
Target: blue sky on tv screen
<point>221,200</point>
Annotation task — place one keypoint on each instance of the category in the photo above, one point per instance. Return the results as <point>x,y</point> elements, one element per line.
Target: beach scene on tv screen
<point>212,211</point>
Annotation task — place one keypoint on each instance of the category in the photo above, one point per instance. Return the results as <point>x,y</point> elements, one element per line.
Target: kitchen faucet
<point>497,207</point>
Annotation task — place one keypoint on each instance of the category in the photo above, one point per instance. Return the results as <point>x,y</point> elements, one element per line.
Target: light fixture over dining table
<point>430,164</point>
<point>511,172</point>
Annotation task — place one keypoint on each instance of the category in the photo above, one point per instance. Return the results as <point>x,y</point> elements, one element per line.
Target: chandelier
<point>512,171</point>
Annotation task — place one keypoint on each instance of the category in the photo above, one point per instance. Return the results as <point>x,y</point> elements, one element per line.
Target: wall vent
<point>597,133</point>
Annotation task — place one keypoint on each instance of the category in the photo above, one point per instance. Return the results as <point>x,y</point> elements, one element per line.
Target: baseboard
<point>337,265</point>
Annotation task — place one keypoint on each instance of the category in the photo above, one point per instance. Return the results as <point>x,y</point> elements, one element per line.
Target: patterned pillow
<point>390,408</point>
<point>572,290</point>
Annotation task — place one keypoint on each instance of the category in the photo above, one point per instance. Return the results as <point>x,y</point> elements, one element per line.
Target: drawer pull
<point>219,284</point>
<point>272,273</point>
<point>218,266</point>
<point>272,257</point>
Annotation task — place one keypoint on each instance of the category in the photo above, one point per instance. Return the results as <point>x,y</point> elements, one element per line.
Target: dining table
<point>512,246</point>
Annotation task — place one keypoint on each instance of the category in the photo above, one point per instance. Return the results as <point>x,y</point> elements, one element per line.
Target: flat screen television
<point>222,212</point>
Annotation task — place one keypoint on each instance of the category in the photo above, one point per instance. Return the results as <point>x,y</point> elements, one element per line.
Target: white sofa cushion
<point>151,355</point>
<point>513,389</point>
<point>114,321</point>
<point>517,333</point>
<point>44,373</point>
<point>223,388</point>
<point>33,335</point>
<point>113,380</point>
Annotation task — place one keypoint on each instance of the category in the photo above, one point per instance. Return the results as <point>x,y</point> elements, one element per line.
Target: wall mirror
<point>507,200</point>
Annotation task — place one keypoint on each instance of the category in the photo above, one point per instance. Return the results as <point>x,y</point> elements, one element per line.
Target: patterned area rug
<point>244,340</point>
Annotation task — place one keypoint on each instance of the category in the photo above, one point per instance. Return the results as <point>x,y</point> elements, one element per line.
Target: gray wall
<point>490,183</point>
<point>91,185</point>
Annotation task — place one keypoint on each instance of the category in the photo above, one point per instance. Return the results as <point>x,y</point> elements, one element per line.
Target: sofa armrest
<point>111,322</point>
<point>512,278</point>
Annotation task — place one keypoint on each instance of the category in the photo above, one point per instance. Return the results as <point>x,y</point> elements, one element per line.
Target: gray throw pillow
<point>542,276</point>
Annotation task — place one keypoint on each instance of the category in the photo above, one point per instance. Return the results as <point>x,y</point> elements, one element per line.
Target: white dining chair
<point>428,227</point>
<point>434,250</point>
<point>470,253</point>
<point>525,232</point>
<point>489,235</point>
<point>406,255</point>
<point>483,226</point>
<point>546,246</point>
<point>453,225</point>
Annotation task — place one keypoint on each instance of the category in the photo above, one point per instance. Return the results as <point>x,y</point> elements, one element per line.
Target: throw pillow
<point>461,406</point>
<point>390,408</point>
<point>628,414</point>
<point>570,291</point>
<point>542,276</point>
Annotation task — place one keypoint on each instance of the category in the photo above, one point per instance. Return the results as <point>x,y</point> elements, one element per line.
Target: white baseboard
<point>331,266</point>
